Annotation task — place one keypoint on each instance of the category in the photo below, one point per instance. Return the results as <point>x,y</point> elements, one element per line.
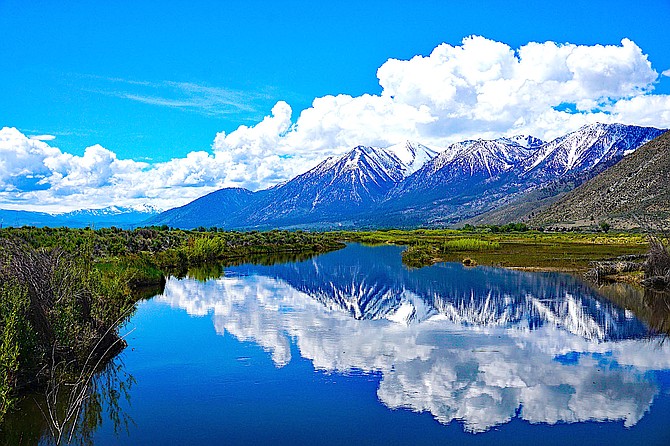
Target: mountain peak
<point>528,141</point>
<point>412,154</point>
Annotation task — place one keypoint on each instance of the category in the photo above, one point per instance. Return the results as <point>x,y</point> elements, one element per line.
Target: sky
<point>130,103</point>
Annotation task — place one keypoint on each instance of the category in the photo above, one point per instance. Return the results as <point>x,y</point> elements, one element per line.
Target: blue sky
<point>152,81</point>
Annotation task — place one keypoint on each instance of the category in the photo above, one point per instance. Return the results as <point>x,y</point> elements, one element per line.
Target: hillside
<point>635,189</point>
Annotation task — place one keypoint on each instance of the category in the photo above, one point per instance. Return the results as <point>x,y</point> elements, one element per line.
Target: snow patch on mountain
<point>413,155</point>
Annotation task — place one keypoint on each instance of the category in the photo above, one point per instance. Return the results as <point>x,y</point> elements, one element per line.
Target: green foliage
<point>14,340</point>
<point>604,226</point>
<point>568,251</point>
<point>80,284</point>
<point>469,244</point>
<point>418,256</point>
<point>509,227</point>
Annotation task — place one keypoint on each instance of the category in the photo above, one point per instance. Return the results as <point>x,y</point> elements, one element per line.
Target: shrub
<point>658,260</point>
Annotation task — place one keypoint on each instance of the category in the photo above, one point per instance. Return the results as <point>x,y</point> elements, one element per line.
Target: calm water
<point>353,348</point>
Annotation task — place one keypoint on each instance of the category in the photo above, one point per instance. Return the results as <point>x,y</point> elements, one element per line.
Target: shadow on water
<point>104,400</point>
<point>650,306</point>
<point>210,271</point>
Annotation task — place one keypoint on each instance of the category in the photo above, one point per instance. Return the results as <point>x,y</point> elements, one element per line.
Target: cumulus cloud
<point>481,88</point>
<point>36,176</point>
<point>478,89</point>
<point>252,155</point>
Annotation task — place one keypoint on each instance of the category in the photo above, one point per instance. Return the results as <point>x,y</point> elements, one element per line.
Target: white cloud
<point>36,176</point>
<point>478,89</point>
<point>481,88</point>
<point>666,73</point>
<point>183,95</point>
<point>43,137</point>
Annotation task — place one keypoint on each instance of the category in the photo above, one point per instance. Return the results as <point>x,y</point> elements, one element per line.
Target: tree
<point>604,226</point>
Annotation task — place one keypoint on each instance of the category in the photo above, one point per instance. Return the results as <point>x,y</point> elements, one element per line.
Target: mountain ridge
<point>410,185</point>
<point>630,193</point>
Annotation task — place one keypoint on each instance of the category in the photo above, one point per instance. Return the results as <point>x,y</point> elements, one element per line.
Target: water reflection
<point>478,345</point>
<point>105,398</point>
<point>651,306</point>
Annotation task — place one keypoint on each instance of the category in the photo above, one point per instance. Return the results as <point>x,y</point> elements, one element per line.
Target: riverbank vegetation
<point>65,292</point>
<point>510,246</point>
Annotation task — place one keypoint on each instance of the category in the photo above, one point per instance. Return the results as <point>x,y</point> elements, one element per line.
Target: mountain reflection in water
<point>480,345</point>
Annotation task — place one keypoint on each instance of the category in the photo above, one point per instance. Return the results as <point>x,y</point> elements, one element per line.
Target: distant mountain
<point>409,185</point>
<point>564,164</point>
<point>339,188</point>
<point>625,195</point>
<point>122,217</point>
<point>466,164</point>
<point>591,145</point>
<point>220,208</point>
<point>332,193</point>
<point>413,155</point>
<point>26,218</point>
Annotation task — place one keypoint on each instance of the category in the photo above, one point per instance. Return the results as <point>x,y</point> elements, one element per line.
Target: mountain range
<point>121,217</point>
<point>409,184</point>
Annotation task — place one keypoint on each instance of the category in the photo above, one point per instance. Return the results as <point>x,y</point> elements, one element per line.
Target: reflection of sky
<point>482,374</point>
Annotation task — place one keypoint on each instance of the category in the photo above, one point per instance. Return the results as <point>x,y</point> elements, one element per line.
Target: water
<point>351,347</point>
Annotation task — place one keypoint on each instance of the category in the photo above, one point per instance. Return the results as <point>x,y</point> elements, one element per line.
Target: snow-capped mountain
<point>119,216</point>
<point>409,184</point>
<point>112,210</point>
<point>338,187</point>
<point>470,161</point>
<point>334,190</point>
<point>585,148</point>
<point>474,177</point>
<point>358,178</point>
<point>413,155</point>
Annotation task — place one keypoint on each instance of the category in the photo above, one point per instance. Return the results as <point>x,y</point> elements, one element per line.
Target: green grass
<point>469,244</point>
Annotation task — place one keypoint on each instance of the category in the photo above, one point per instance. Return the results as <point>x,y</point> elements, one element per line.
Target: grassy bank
<point>64,293</point>
<point>530,250</point>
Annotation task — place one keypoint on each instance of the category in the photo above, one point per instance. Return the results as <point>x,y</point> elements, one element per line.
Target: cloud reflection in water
<point>431,355</point>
